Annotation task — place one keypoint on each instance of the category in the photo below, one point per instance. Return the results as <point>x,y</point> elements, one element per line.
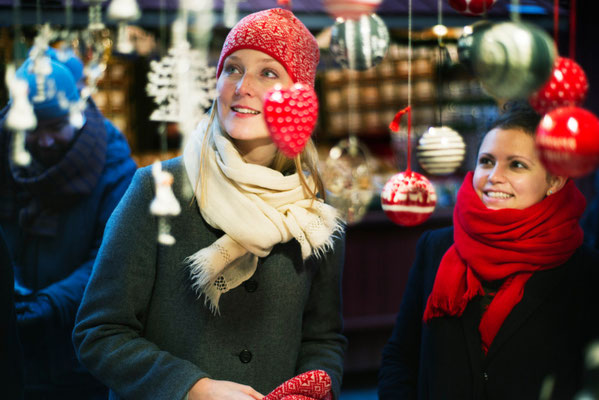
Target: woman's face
<point>246,77</point>
<point>509,173</point>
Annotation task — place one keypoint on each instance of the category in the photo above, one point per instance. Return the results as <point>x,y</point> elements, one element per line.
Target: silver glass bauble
<point>347,176</point>
<point>510,59</point>
<point>359,44</point>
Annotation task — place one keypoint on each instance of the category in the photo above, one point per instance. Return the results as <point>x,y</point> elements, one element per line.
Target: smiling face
<point>509,173</point>
<point>50,140</point>
<point>246,77</point>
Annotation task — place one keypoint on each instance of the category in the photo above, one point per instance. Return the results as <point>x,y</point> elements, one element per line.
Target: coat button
<point>245,356</point>
<point>250,285</point>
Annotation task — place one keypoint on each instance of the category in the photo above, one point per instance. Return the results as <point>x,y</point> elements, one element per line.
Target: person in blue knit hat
<point>52,218</point>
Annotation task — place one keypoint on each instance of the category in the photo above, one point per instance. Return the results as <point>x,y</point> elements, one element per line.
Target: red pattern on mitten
<point>310,385</point>
<point>297,397</point>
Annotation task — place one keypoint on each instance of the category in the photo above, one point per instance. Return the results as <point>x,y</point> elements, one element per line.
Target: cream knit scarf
<point>257,207</point>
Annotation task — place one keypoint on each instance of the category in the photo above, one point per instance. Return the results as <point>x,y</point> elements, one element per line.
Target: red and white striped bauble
<point>568,141</point>
<point>567,86</point>
<point>408,198</point>
<point>350,9</point>
<point>472,7</point>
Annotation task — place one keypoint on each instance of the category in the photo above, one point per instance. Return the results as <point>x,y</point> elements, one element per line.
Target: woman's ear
<point>556,183</point>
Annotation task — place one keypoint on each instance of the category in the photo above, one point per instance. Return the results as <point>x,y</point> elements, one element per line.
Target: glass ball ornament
<point>350,9</point>
<point>510,59</point>
<point>359,44</point>
<point>568,141</point>
<point>567,86</point>
<point>472,7</point>
<point>440,150</point>
<point>408,198</point>
<point>347,177</point>
<point>466,40</point>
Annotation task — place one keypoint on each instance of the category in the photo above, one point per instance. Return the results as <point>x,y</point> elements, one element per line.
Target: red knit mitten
<point>310,385</point>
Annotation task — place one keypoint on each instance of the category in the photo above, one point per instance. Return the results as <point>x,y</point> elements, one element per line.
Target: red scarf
<point>506,244</point>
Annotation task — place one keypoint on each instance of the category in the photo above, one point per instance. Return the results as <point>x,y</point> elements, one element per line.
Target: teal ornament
<point>359,44</point>
<point>511,60</point>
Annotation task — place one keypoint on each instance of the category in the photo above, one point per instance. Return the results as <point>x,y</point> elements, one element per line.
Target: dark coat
<point>542,341</point>
<point>11,354</point>
<point>144,332</point>
<point>59,266</point>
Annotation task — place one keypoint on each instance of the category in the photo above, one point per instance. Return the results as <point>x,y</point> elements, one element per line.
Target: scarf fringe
<point>329,244</point>
<point>200,271</point>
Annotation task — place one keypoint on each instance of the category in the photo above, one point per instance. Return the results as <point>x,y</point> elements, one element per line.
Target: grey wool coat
<point>143,332</point>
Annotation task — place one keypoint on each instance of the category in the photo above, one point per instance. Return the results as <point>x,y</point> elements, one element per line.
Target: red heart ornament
<point>567,86</point>
<point>568,141</point>
<point>291,115</point>
<point>472,7</point>
<point>408,198</point>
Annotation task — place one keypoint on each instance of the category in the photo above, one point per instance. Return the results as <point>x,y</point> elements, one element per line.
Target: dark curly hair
<point>517,115</point>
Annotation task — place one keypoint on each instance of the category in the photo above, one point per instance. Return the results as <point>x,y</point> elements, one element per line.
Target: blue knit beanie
<point>58,87</point>
<point>69,59</point>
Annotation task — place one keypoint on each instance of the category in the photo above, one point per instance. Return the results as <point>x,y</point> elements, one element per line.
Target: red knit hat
<point>278,33</point>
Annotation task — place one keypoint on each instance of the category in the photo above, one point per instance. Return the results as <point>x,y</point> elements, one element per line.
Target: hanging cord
<point>394,126</point>
<point>38,12</point>
<point>17,32</point>
<point>572,44</point>
<point>409,53</point>
<point>556,23</point>
<point>440,63</point>
<point>68,9</point>
<point>515,10</point>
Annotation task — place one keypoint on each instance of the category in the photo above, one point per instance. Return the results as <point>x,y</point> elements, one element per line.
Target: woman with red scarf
<point>502,305</point>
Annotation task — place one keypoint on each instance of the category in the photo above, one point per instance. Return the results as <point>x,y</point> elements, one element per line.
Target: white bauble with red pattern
<point>567,86</point>
<point>350,9</point>
<point>472,7</point>
<point>568,141</point>
<point>408,198</point>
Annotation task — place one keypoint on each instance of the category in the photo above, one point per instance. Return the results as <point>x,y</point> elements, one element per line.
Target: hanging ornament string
<point>394,126</point>
<point>572,44</point>
<point>440,61</point>
<point>556,23</point>
<point>68,9</point>
<point>409,56</point>
<point>515,14</point>
<point>572,28</point>
<point>38,12</point>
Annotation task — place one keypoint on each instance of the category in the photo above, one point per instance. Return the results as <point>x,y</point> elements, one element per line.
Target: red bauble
<point>350,9</point>
<point>567,86</point>
<point>568,141</point>
<point>408,198</point>
<point>472,7</point>
<point>290,115</point>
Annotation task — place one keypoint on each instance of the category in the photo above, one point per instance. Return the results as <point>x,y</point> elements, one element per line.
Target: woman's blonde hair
<point>305,162</point>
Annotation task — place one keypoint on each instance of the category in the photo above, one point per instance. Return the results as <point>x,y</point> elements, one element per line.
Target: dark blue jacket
<point>542,341</point>
<point>60,266</point>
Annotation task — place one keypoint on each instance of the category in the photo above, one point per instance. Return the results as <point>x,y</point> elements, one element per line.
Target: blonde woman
<point>249,295</point>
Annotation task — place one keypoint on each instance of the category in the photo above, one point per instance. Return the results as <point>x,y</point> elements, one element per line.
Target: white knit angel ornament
<point>41,62</point>
<point>20,116</point>
<point>165,203</point>
<point>181,83</point>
